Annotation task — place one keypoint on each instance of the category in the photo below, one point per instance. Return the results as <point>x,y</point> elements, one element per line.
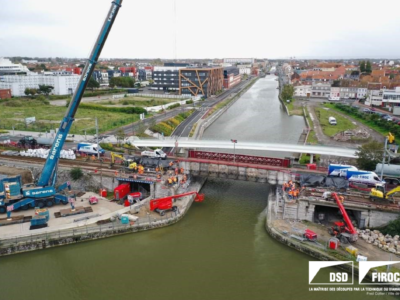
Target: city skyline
<point>213,29</point>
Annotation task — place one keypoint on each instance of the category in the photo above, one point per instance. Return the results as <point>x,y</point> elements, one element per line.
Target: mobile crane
<point>44,193</point>
<point>345,232</point>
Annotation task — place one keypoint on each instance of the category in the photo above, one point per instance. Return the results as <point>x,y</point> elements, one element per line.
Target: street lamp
<point>234,148</point>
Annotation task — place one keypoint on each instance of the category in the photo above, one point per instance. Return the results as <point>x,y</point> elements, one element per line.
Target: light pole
<point>234,149</point>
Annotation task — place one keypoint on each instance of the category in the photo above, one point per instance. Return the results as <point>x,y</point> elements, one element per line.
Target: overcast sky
<point>204,29</point>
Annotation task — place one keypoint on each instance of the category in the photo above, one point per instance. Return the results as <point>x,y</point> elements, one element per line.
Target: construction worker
<point>285,186</point>
<point>171,163</point>
<point>182,170</point>
<point>157,169</point>
<point>175,179</point>
<point>169,181</point>
<point>290,194</point>
<point>176,171</point>
<point>158,176</point>
<point>341,198</point>
<point>183,179</point>
<point>93,158</point>
<point>296,193</point>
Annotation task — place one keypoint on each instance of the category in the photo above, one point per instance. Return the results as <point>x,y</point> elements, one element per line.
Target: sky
<point>203,29</point>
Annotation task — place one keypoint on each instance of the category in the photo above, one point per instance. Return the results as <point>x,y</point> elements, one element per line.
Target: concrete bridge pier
<point>272,177</point>
<point>252,174</point>
<point>262,176</point>
<point>233,172</point>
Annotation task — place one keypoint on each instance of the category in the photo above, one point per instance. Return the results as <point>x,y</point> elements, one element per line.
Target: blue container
<point>38,220</point>
<point>42,212</point>
<point>15,189</point>
<point>124,220</point>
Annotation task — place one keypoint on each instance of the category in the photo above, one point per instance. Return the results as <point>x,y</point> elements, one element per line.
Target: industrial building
<point>232,77</point>
<point>62,84</point>
<point>200,81</point>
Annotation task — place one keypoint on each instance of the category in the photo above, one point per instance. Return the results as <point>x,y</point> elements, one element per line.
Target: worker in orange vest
<point>170,181</point>
<point>175,180</point>
<point>285,186</point>
<point>290,194</point>
<point>171,163</point>
<point>182,170</point>
<point>341,198</point>
<point>176,171</point>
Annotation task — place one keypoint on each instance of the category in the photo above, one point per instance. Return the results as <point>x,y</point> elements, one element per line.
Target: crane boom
<point>48,175</point>
<point>350,226</point>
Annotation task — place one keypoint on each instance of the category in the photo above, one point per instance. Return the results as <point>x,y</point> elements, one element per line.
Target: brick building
<point>5,94</point>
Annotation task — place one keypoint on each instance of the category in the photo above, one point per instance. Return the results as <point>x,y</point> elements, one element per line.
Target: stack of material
<point>44,153</point>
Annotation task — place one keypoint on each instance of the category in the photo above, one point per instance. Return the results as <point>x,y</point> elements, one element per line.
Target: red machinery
<point>121,191</point>
<point>339,229</point>
<point>162,205</point>
<point>310,235</point>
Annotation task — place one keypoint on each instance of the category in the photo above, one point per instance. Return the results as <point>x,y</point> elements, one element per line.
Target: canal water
<point>220,250</point>
<point>258,116</point>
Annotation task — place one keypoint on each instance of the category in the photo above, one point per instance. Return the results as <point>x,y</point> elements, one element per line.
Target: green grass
<point>330,130</point>
<point>294,110</point>
<point>366,122</point>
<point>312,137</point>
<point>49,117</point>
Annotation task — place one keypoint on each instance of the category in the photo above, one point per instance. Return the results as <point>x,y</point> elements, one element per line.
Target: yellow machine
<point>379,193</point>
<point>129,163</point>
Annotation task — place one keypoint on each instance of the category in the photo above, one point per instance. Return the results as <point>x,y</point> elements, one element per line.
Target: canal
<point>258,116</point>
<point>220,250</point>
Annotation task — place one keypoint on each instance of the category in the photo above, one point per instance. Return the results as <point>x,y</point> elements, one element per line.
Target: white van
<point>334,98</point>
<point>332,121</point>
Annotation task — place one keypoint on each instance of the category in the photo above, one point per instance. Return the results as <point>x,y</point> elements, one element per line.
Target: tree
<point>76,173</point>
<point>362,66</point>
<point>43,67</point>
<point>287,92</point>
<point>125,82</point>
<point>120,135</point>
<point>45,89</point>
<point>368,67</point>
<point>369,155</point>
<point>93,84</point>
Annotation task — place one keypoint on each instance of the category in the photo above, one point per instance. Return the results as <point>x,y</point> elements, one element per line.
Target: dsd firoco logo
<point>380,276</point>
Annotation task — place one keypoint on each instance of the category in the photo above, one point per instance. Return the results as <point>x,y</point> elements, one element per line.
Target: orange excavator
<point>162,205</point>
<point>344,231</point>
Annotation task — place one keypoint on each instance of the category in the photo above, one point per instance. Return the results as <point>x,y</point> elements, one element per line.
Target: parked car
<point>367,111</point>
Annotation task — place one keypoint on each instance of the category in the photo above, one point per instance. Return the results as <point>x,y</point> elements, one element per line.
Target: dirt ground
<point>25,174</point>
<point>365,249</point>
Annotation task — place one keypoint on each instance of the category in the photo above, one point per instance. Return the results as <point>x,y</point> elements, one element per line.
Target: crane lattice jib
<point>49,169</point>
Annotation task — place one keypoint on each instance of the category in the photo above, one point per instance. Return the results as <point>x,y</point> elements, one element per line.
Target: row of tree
<point>365,67</point>
<point>42,90</point>
<point>126,82</point>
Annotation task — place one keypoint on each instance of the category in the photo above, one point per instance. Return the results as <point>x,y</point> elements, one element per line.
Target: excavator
<point>127,162</point>
<point>379,193</point>
<point>344,231</point>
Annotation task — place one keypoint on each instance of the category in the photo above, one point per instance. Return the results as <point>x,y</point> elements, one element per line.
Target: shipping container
<point>121,191</point>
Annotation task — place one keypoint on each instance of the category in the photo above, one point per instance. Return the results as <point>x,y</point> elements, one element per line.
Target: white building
<point>335,92</point>
<point>362,93</point>
<point>239,60</point>
<point>302,91</point>
<point>244,69</point>
<point>391,97</point>
<point>63,84</point>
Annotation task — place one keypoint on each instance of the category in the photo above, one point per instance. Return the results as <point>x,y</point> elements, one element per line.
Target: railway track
<point>81,163</point>
<point>359,198</point>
